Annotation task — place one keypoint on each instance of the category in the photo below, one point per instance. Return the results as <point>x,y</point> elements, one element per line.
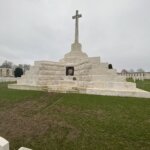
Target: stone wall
<point>8,79</point>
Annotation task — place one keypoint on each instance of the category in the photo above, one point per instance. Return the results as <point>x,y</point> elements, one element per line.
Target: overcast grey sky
<point>116,30</point>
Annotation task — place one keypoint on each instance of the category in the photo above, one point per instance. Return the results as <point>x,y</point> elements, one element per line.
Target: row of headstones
<point>4,145</point>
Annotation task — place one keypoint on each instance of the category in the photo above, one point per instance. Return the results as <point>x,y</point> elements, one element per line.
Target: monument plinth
<point>76,47</point>
<point>77,72</point>
<point>76,54</point>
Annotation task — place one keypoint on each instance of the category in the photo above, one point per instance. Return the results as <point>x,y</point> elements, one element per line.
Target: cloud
<point>118,31</point>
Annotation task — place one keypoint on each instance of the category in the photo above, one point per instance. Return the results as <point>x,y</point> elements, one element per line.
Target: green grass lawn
<point>52,121</point>
<point>145,84</point>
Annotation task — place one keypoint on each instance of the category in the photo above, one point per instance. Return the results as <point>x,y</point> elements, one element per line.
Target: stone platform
<point>87,75</point>
<point>83,90</point>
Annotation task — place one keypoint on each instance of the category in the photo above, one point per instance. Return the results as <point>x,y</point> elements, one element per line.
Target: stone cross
<point>76,17</point>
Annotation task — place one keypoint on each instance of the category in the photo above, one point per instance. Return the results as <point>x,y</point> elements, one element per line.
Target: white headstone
<point>24,148</point>
<point>4,144</point>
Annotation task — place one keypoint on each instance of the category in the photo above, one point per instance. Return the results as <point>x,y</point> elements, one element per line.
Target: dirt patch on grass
<point>98,114</point>
<point>27,119</point>
<point>20,120</point>
<point>148,120</point>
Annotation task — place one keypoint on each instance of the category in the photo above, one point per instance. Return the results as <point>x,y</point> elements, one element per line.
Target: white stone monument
<point>4,144</point>
<point>24,148</point>
<point>77,72</point>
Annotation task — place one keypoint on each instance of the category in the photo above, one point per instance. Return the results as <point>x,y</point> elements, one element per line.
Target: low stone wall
<point>136,75</point>
<point>8,79</point>
<point>4,145</point>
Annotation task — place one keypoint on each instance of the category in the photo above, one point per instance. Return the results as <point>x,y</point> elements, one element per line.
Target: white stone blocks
<point>112,85</point>
<point>24,148</point>
<point>122,93</point>
<point>4,144</point>
<point>94,60</point>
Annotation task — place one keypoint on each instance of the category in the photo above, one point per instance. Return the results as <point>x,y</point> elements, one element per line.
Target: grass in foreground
<point>50,121</point>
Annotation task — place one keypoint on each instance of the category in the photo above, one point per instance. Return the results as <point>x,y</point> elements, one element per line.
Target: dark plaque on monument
<point>69,71</point>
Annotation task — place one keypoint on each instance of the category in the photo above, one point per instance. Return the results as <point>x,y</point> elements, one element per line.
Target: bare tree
<point>7,64</point>
<point>131,71</point>
<point>24,67</point>
<point>140,70</point>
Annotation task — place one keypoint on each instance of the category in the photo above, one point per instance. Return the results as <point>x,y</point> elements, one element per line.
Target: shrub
<point>18,72</point>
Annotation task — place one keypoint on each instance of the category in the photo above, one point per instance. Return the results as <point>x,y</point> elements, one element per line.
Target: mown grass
<point>51,121</point>
<point>145,84</point>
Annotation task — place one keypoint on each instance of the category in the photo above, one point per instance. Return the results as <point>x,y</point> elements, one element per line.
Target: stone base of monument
<point>132,93</point>
<point>90,77</point>
<point>124,89</point>
<point>27,87</point>
<point>101,88</point>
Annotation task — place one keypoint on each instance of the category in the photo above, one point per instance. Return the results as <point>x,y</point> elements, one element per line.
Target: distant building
<point>6,72</point>
<point>147,75</point>
<point>135,75</point>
